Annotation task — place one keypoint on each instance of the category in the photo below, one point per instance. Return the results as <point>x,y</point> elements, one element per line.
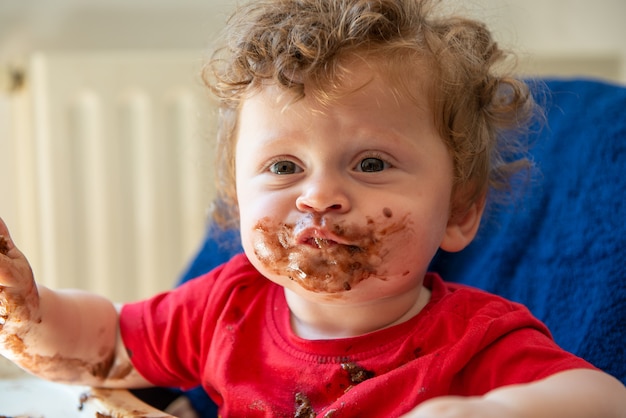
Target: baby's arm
<point>571,394</point>
<point>68,336</point>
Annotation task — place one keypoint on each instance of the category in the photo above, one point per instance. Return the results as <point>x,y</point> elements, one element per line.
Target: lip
<point>317,237</point>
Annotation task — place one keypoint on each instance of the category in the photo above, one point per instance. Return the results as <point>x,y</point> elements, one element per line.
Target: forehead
<point>368,103</point>
<point>365,111</point>
<point>403,80</point>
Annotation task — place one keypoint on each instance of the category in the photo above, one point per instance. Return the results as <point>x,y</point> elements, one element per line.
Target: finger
<point>4,230</point>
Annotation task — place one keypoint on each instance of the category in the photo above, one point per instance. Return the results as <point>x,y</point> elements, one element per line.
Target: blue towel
<point>560,246</point>
<point>560,249</point>
<point>218,247</point>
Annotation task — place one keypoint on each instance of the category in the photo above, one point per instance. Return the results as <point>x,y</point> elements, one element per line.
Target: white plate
<point>27,396</point>
<point>32,397</point>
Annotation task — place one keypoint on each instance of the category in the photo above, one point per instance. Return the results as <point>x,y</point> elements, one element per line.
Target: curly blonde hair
<point>290,42</point>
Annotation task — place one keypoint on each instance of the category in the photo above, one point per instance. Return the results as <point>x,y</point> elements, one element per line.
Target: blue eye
<point>371,165</point>
<point>284,167</point>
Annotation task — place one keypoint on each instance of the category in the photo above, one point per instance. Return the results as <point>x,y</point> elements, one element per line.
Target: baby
<point>357,137</point>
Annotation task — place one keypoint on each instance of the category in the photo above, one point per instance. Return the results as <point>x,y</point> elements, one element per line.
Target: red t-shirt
<point>229,330</point>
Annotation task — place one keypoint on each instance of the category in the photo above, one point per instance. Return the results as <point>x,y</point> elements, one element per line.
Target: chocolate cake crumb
<point>356,373</point>
<point>4,245</point>
<point>303,407</point>
<point>84,397</point>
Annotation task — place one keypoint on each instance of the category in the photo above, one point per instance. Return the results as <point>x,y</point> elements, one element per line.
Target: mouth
<point>323,240</point>
<point>320,242</point>
<point>316,239</point>
<point>320,256</point>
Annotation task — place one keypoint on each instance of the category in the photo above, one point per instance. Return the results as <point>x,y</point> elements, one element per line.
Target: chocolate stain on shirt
<point>356,373</point>
<point>303,407</point>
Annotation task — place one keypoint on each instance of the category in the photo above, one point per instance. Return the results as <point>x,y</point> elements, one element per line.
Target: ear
<point>462,228</point>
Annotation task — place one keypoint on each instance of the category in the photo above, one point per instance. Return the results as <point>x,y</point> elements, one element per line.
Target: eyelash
<point>277,160</point>
<point>374,155</point>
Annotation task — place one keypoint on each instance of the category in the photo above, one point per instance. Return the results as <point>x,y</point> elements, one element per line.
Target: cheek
<point>255,206</point>
<point>249,195</point>
<point>248,213</point>
<point>248,216</point>
<point>413,247</point>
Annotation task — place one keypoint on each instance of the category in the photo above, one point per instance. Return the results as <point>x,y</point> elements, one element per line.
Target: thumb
<point>15,270</point>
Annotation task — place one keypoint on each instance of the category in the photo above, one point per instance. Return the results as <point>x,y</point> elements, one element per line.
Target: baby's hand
<point>17,285</point>
<point>461,407</point>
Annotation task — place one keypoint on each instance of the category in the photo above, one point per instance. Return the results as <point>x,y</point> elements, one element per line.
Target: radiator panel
<point>123,158</point>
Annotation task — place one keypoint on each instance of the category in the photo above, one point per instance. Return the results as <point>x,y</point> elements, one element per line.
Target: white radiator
<point>112,169</point>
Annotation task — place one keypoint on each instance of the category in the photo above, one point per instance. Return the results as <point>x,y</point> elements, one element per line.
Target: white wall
<point>550,28</point>
<point>575,30</point>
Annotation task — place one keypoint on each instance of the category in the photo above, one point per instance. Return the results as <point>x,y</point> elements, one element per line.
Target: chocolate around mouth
<point>321,242</point>
<point>321,264</point>
<point>328,244</point>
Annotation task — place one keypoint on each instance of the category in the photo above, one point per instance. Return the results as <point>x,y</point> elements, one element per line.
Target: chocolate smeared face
<point>323,257</point>
<point>345,199</point>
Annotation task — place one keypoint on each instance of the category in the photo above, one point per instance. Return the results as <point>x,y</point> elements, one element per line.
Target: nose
<point>323,195</point>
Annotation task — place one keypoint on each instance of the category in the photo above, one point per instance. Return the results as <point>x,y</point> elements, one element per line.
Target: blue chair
<point>560,246</point>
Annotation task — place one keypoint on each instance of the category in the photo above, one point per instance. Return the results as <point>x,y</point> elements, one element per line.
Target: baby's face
<point>345,201</point>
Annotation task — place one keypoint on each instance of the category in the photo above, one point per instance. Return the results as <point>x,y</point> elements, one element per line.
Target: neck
<point>320,320</point>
